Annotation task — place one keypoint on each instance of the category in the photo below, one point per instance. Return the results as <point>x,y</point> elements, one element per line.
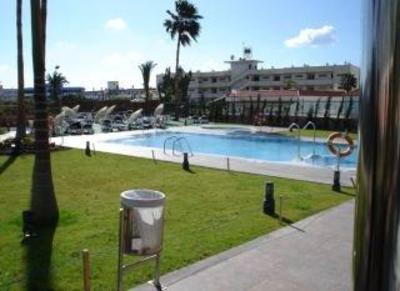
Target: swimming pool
<point>244,144</point>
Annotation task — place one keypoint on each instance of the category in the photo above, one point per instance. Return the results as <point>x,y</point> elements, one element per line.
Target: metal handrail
<point>182,138</point>
<point>310,123</point>
<point>168,138</point>
<point>298,136</point>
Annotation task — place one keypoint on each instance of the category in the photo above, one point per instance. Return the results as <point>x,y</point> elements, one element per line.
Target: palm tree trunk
<point>43,200</point>
<point>176,80</point>
<point>21,130</point>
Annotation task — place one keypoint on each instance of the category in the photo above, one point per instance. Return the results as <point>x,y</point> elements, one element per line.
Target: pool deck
<point>311,255</point>
<point>291,171</point>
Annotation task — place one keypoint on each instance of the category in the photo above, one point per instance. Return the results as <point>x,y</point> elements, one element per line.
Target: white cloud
<point>312,37</point>
<point>122,58</point>
<point>5,68</point>
<point>116,24</point>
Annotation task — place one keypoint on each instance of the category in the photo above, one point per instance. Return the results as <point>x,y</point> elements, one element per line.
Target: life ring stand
<point>335,150</point>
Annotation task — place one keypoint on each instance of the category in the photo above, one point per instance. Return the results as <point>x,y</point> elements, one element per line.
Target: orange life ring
<point>335,150</point>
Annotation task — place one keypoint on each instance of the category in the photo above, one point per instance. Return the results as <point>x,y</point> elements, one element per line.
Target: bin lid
<point>142,198</point>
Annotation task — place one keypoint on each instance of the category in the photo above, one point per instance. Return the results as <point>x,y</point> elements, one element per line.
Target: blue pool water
<point>245,144</point>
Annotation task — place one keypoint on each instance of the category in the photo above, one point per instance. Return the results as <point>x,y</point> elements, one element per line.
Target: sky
<point>95,41</point>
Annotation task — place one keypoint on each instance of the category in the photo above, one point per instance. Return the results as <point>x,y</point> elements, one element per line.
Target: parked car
<point>87,129</point>
<point>118,125</point>
<point>74,128</point>
<point>106,126</point>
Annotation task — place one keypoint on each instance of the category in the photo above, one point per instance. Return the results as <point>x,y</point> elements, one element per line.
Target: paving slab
<point>311,255</point>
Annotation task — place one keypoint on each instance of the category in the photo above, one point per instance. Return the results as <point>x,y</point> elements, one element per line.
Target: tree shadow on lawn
<point>38,259</point>
<point>347,193</point>
<point>11,159</point>
<point>287,222</point>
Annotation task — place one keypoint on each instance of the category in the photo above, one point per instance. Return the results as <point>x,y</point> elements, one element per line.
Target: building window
<point>287,77</point>
<point>277,88</point>
<point>214,80</point>
<point>265,77</point>
<point>277,78</point>
<point>256,78</point>
<point>322,75</point>
<point>299,76</point>
<point>310,76</point>
<point>213,90</point>
<point>249,66</point>
<point>310,88</point>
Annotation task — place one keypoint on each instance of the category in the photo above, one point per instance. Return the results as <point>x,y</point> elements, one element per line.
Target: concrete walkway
<point>312,255</point>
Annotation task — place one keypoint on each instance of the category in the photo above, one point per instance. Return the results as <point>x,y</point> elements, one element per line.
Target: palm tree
<point>21,129</point>
<point>43,200</point>
<point>184,25</point>
<point>146,69</point>
<point>348,81</point>
<point>56,82</point>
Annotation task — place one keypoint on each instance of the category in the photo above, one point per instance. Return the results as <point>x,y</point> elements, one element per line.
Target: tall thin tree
<point>56,82</point>
<point>348,82</point>
<point>21,118</point>
<point>43,200</point>
<point>146,69</point>
<point>183,25</point>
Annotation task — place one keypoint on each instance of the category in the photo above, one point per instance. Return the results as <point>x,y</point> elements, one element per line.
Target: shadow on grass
<point>287,222</point>
<point>38,259</point>
<point>11,159</point>
<point>190,171</point>
<point>347,193</point>
<point>43,224</point>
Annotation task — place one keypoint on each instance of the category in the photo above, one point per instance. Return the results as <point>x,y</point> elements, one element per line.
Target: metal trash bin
<point>143,221</point>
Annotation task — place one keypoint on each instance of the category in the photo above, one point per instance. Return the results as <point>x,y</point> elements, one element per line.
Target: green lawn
<point>208,211</point>
<point>318,133</point>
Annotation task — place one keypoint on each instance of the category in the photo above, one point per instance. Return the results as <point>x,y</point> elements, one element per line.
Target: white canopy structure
<point>69,112</point>
<point>110,110</point>
<point>159,110</point>
<point>59,119</point>
<point>135,115</point>
<point>76,108</point>
<point>101,114</point>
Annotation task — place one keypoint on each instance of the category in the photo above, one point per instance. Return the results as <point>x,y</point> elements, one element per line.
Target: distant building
<point>10,95</point>
<point>113,86</point>
<point>245,74</point>
<point>132,94</point>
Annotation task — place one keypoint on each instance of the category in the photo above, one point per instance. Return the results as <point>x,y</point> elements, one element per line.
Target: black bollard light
<point>87,150</point>
<point>185,164</point>
<point>336,181</point>
<point>269,201</point>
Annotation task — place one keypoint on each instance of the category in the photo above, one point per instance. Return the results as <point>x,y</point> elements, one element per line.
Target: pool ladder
<point>295,125</point>
<point>308,124</point>
<point>177,140</point>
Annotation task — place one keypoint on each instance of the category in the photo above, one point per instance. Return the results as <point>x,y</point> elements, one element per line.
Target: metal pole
<point>120,254</point>
<point>376,233</point>
<point>156,282</point>
<point>86,270</point>
<point>280,208</point>
<point>154,156</point>
<point>228,164</point>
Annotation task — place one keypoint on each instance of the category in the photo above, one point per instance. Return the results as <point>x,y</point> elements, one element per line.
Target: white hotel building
<point>245,74</point>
